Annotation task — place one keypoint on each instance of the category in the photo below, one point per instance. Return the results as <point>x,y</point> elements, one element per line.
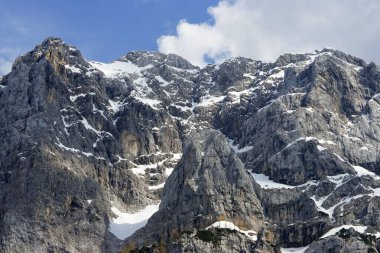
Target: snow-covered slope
<point>277,154</point>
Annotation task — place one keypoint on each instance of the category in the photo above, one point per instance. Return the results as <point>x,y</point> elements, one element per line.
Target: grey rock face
<point>144,58</point>
<point>345,241</point>
<point>63,146</point>
<point>209,184</point>
<point>79,137</point>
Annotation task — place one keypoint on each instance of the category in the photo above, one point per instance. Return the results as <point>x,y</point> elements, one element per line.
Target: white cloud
<point>7,56</point>
<point>5,66</point>
<point>265,29</point>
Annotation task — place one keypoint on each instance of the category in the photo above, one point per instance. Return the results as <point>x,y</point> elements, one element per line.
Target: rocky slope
<point>244,156</point>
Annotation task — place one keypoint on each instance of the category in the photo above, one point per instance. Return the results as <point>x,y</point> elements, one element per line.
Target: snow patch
<point>338,180</point>
<point>127,223</point>
<point>311,138</point>
<point>155,187</point>
<point>151,102</point>
<point>182,108</point>
<point>210,100</point>
<point>114,105</point>
<point>342,203</point>
<point>190,71</point>
<point>250,76</point>
<point>140,169</point>
<point>59,144</point>
<point>169,171</point>
<point>163,82</point>
<point>333,231</point>
<point>309,109</point>
<point>267,183</point>
<point>95,110</point>
<point>236,147</point>
<point>236,95</point>
<point>294,250</point>
<point>364,172</point>
<point>117,69</point>
<point>73,69</point>
<point>351,137</point>
<point>340,158</point>
<point>229,225</point>
<point>73,98</point>
<point>279,75</point>
<point>120,69</point>
<point>88,126</point>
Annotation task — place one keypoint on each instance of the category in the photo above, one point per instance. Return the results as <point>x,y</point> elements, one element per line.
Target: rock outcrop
<point>209,184</point>
<point>244,156</point>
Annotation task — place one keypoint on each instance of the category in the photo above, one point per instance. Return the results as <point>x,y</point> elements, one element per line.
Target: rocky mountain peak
<point>322,55</point>
<point>144,58</point>
<point>210,185</point>
<point>345,57</point>
<point>57,53</point>
<point>288,58</point>
<point>242,156</point>
<point>52,42</point>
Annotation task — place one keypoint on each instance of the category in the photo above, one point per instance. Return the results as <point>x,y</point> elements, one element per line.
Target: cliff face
<point>244,156</point>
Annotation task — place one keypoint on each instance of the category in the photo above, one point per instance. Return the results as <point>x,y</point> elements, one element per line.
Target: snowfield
<point>127,223</point>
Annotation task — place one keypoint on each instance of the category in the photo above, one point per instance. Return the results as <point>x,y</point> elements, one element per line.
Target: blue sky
<point>199,30</point>
<point>102,29</point>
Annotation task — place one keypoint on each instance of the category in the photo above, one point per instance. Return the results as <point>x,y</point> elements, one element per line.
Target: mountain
<point>152,154</point>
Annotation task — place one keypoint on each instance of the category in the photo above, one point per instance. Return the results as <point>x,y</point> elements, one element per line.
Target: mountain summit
<point>152,154</point>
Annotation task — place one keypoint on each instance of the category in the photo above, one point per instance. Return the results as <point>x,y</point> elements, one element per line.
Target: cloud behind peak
<point>263,30</point>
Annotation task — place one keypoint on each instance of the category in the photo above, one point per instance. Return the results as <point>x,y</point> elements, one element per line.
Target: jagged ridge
<point>82,140</point>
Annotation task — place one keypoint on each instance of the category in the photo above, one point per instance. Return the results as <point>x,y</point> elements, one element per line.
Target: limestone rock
<point>243,156</point>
